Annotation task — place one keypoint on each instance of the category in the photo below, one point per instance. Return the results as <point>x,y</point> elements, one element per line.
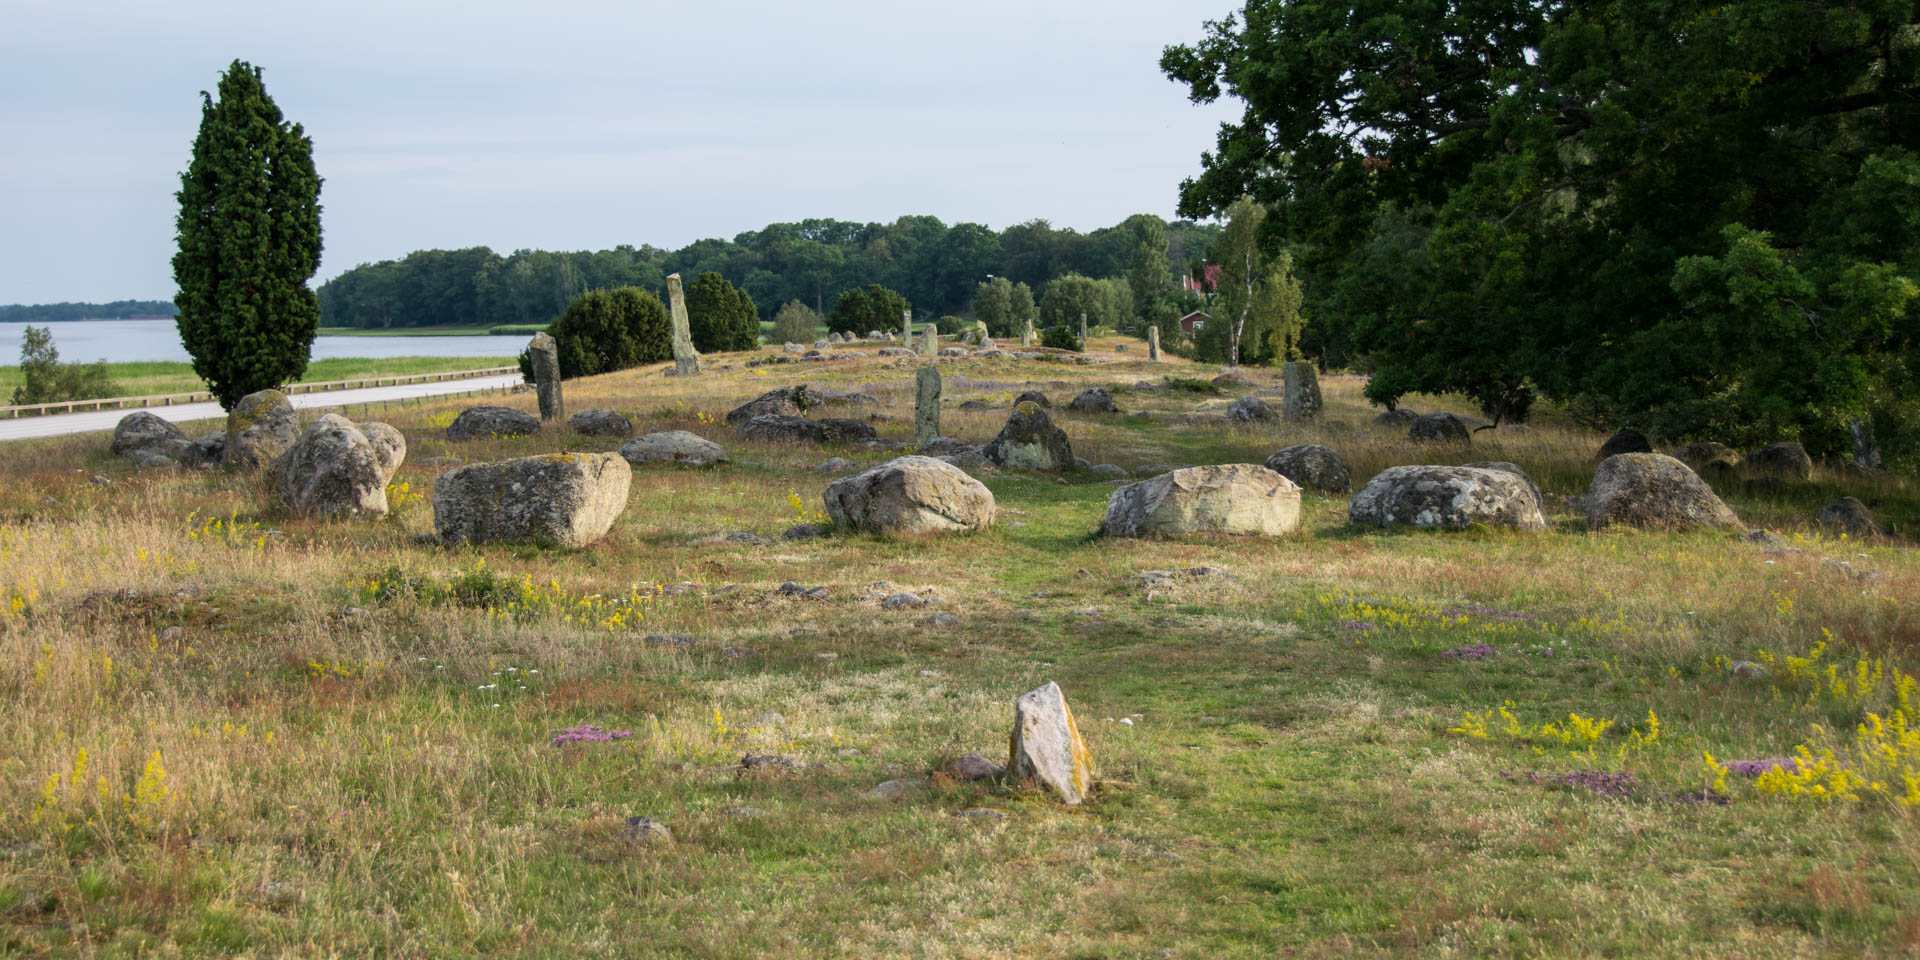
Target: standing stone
<point>1046,747</point>
<point>1865,455</point>
<point>1153,344</point>
<point>1303,392</point>
<point>1026,333</point>
<point>546,376</point>
<point>906,327</point>
<point>930,341</point>
<point>686,360</point>
<point>1083,331</point>
<point>926,405</point>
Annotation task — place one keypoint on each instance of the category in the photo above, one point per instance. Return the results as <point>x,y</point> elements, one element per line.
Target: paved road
<point>66,423</point>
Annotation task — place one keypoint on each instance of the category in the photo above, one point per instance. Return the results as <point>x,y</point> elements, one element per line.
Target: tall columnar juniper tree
<point>249,239</point>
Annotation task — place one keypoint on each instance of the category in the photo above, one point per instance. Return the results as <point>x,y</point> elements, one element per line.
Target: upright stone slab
<point>1303,392</point>
<point>1046,747</point>
<point>926,405</point>
<point>1083,331</point>
<point>1026,333</point>
<point>686,360</point>
<point>546,376</point>
<point>906,328</point>
<point>1153,344</point>
<point>930,341</point>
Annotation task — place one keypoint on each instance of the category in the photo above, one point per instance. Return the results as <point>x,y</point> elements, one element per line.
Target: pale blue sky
<point>583,125</point>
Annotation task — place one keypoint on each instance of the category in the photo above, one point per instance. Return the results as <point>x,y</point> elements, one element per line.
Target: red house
<point>1208,283</point>
<point>1192,322</point>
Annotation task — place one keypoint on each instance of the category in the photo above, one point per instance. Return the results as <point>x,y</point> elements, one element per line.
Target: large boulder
<point>1234,380</point>
<point>1093,400</point>
<point>600,423</point>
<point>1250,410</point>
<point>1030,441</point>
<point>1652,490</point>
<point>1849,516</point>
<point>1314,466</point>
<point>259,429</point>
<point>1514,469</point>
<point>560,499</point>
<point>673,446</point>
<point>910,496</point>
<point>206,452</point>
<point>1451,497</point>
<point>334,469</point>
<point>141,430</point>
<point>1223,498</point>
<point>1438,428</point>
<point>1628,440</point>
<point>479,423</point>
<point>1045,747</point>
<point>784,402</point>
<point>1788,461</point>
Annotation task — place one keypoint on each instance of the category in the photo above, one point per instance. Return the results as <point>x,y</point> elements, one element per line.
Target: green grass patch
<point>154,378</point>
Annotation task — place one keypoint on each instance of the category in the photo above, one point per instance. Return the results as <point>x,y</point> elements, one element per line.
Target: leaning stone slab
<point>673,446</point>
<point>561,499</point>
<point>476,423</point>
<point>1046,748</point>
<point>546,375</point>
<point>1243,498</point>
<point>1653,490</point>
<point>259,429</point>
<point>686,360</point>
<point>1030,441</point>
<point>910,496</point>
<point>336,469</point>
<point>1448,497</point>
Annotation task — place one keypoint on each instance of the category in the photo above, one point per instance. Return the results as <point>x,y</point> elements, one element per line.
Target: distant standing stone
<point>1083,331</point>
<point>1046,746</point>
<point>906,328</point>
<point>1026,333</point>
<point>930,340</point>
<point>686,360</point>
<point>926,405</point>
<point>546,375</point>
<point>1153,344</point>
<point>1303,392</point>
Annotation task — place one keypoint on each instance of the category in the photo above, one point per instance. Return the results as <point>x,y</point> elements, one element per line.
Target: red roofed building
<point>1208,283</point>
<point>1192,322</point>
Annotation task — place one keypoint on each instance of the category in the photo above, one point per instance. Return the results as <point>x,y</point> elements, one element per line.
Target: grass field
<point>232,731</point>
<point>150,379</point>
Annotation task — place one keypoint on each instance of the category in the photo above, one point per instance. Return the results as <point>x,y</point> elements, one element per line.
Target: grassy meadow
<point>230,731</point>
<point>143,379</point>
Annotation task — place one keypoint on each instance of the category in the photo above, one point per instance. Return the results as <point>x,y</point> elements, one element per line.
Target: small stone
<point>834,465</point>
<point>735,653</point>
<point>770,763</point>
<point>680,640</point>
<point>981,813</point>
<point>802,531</point>
<point>172,633</point>
<point>745,813</point>
<point>826,657</point>
<point>353,611</point>
<point>895,789</point>
<point>648,830</point>
<point>744,537</point>
<point>899,600</point>
<point>941,620</point>
<point>972,766</point>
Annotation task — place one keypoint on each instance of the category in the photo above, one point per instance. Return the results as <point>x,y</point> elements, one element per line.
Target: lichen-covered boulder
<point>1030,441</point>
<point>1093,400</point>
<point>1314,466</point>
<point>334,469</point>
<point>1788,461</point>
<point>560,499</point>
<point>910,496</point>
<point>1514,469</point>
<point>141,430</point>
<point>1627,440</point>
<point>259,429</point>
<point>479,423</point>
<point>600,423</point>
<point>1222,498</point>
<point>1251,410</point>
<point>673,446</point>
<point>205,452</point>
<point>1045,746</point>
<point>783,402</point>
<point>1652,490</point>
<point>1401,417</point>
<point>1849,516</point>
<point>1438,428</point>
<point>1447,497</point>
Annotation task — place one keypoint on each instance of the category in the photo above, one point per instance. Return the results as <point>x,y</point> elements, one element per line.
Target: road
<point>65,423</point>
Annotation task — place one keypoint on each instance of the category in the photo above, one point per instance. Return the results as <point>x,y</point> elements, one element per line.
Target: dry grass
<point>282,761</point>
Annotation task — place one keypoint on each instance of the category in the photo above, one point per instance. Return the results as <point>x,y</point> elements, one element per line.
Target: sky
<point>576,125</point>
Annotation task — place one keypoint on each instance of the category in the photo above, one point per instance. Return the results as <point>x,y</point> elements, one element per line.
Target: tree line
<point>58,312</point>
<point>937,268</point>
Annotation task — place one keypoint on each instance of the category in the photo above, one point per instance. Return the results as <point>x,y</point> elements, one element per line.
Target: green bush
<point>795,323</point>
<point>720,316</point>
<point>859,312</point>
<point>1061,337</point>
<point>606,330</point>
<point>50,381</point>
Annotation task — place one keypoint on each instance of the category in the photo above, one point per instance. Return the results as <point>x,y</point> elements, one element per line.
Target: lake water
<point>122,341</point>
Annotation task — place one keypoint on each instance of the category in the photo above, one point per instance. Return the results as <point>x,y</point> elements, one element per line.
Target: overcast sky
<point>574,125</point>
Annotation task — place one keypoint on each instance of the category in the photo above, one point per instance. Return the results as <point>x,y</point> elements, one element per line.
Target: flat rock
<point>141,430</point>
<point>1093,400</point>
<point>673,446</point>
<point>479,423</point>
<point>1447,497</point>
<point>1251,410</point>
<point>972,766</point>
<point>1438,428</point>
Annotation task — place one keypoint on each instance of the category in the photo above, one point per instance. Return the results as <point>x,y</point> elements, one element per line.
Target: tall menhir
<point>249,239</point>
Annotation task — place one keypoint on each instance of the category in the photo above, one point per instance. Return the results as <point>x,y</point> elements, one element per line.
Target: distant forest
<point>937,267</point>
<point>55,312</point>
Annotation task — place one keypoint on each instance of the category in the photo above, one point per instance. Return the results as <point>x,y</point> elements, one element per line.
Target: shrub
<point>720,316</point>
<point>607,330</point>
<point>859,311</point>
<point>50,381</point>
<point>795,323</point>
<point>1061,337</point>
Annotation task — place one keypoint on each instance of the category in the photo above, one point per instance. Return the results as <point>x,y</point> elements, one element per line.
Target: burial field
<point>295,686</point>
